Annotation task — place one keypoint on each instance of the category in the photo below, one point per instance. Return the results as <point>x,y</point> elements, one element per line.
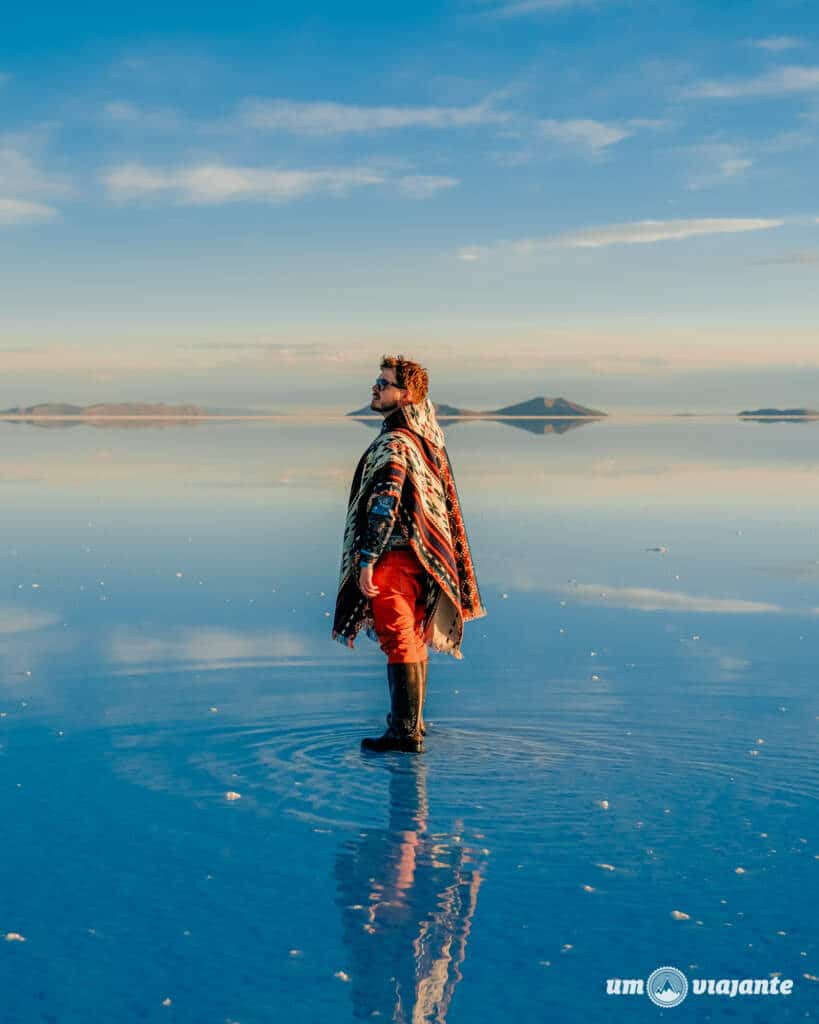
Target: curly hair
<point>409,375</point>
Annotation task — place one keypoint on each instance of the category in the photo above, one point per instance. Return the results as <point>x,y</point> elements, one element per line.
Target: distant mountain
<point>540,406</point>
<point>122,415</point>
<point>105,409</point>
<point>779,412</point>
<point>441,411</point>
<point>44,409</point>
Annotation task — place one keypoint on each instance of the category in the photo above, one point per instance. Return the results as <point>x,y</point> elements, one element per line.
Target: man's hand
<point>365,581</point>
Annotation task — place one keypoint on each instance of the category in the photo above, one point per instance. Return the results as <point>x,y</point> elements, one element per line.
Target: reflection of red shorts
<point>398,610</point>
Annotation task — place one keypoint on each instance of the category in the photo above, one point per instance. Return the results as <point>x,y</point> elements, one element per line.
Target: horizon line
<point>346,416</point>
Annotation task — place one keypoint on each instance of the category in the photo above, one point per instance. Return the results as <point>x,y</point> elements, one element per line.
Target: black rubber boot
<point>421,725</point>
<point>406,703</point>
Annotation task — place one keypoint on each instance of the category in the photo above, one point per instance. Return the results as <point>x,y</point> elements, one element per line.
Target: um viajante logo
<point>668,986</point>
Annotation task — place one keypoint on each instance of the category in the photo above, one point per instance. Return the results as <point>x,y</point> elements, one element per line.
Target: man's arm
<point>380,523</point>
<point>381,519</point>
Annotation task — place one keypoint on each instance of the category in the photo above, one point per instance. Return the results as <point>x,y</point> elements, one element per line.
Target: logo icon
<point>667,986</point>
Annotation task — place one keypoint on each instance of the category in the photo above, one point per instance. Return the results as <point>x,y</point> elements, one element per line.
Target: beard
<point>386,409</point>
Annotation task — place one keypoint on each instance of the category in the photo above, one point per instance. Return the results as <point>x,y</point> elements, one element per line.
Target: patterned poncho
<point>409,461</point>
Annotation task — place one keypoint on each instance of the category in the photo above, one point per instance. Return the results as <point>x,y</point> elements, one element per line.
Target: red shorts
<point>398,610</point>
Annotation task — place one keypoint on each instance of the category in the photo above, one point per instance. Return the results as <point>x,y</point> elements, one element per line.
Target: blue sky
<point>244,205</point>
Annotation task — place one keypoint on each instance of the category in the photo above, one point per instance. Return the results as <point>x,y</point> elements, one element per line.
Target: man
<point>406,568</point>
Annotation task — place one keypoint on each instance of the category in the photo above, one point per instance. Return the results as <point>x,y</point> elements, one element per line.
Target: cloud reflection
<point>648,599</point>
<point>208,647</point>
<point>23,620</point>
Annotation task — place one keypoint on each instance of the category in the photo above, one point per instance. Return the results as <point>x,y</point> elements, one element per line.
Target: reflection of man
<point>407,900</point>
<point>406,569</point>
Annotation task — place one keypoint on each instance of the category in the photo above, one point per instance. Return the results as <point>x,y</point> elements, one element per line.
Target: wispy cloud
<point>424,186</point>
<point>584,136</point>
<point>715,162</point>
<point>718,163</point>
<point>121,110</point>
<point>782,82</point>
<point>734,166</point>
<point>635,233</point>
<point>23,184</point>
<point>776,44</point>
<point>213,183</point>
<point>126,113</point>
<point>518,8</point>
<point>594,136</point>
<point>327,118</point>
<point>20,171</point>
<point>4,77</point>
<point>648,599</point>
<point>24,211</point>
<point>586,133</point>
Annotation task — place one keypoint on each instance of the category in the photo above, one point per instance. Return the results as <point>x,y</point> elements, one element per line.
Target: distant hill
<point>540,406</point>
<point>105,409</point>
<point>45,409</point>
<point>441,411</point>
<point>779,412</point>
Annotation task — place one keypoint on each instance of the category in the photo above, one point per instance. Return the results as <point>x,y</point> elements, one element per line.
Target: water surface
<point>633,723</point>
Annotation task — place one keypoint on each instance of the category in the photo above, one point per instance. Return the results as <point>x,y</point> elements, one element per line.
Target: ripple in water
<point>524,777</point>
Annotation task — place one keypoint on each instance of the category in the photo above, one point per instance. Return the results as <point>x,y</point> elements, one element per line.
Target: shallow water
<point>634,720</point>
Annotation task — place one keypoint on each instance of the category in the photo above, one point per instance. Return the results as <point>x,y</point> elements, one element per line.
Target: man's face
<point>390,398</point>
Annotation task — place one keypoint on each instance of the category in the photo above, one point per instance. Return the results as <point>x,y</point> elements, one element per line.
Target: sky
<point>244,205</point>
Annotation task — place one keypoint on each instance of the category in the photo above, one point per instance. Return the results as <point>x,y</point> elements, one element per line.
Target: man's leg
<point>398,607</point>
<point>396,619</point>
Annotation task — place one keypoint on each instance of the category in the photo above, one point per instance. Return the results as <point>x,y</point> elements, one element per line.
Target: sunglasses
<point>382,384</point>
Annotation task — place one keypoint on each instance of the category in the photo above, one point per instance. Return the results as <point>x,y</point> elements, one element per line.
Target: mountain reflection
<point>545,426</point>
<point>105,422</point>
<point>534,424</point>
<point>407,899</point>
